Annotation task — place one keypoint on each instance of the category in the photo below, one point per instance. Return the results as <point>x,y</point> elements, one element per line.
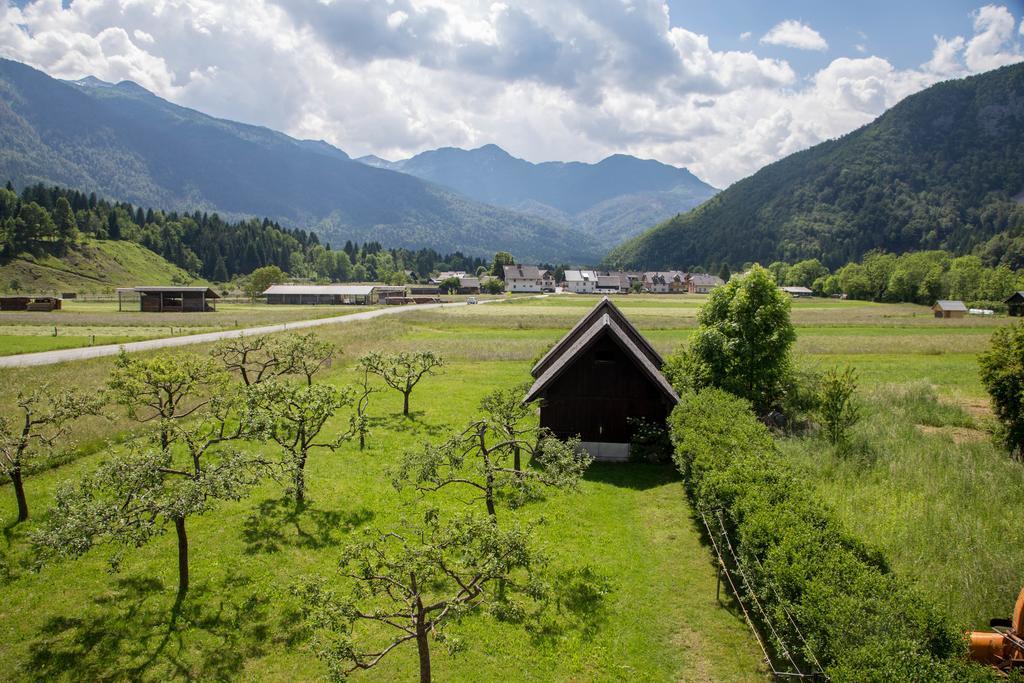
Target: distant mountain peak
<point>92,82</point>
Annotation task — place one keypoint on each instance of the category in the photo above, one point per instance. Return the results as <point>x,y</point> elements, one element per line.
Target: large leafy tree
<point>41,422</point>
<point>742,343</point>
<point>1002,373</point>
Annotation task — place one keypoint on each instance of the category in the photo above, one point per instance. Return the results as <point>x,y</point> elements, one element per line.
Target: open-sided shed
<point>597,377</point>
<point>331,295</point>
<point>1015,304</point>
<point>170,299</point>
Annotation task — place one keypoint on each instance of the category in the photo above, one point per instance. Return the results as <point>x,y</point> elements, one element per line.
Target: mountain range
<point>611,200</point>
<point>943,169</point>
<point>125,143</point>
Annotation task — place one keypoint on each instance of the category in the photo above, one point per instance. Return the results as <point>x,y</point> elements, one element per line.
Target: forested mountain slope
<point>125,143</point>
<point>610,200</point>
<point>940,170</point>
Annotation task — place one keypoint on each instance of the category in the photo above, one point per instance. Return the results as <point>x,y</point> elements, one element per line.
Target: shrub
<point>650,441</point>
<point>857,619</point>
<point>1002,373</point>
<point>838,409</point>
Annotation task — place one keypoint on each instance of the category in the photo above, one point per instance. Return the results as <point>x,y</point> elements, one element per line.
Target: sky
<point>721,87</point>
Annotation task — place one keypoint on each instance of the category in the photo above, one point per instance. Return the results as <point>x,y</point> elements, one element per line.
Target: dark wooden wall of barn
<point>596,394</point>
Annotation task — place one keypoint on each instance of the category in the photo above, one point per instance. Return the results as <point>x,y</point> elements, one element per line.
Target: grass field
<point>927,486</point>
<point>90,323</point>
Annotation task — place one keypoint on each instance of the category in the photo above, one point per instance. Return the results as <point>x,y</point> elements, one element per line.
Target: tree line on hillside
<point>55,220</point>
<point>920,277</point>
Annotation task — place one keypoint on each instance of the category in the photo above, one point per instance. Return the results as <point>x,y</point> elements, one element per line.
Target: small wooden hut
<point>601,374</point>
<point>949,309</point>
<point>1015,304</point>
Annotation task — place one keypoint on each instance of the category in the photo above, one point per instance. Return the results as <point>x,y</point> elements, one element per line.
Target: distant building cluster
<point>523,278</point>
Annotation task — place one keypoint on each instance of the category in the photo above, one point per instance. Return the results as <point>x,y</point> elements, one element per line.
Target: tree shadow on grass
<point>137,631</point>
<point>633,475</point>
<point>279,522</point>
<point>415,422</point>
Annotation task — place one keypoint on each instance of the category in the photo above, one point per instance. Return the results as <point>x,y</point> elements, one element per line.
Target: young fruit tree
<point>508,418</point>
<point>479,458</point>
<point>742,343</point>
<point>42,421</point>
<point>1002,373</point>
<point>294,417</point>
<point>838,409</point>
<point>165,388</point>
<point>134,497</point>
<point>409,585</point>
<point>259,358</point>
<point>360,422</point>
<point>402,371</point>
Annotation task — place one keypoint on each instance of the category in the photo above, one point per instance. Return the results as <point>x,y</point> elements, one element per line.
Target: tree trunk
<point>405,408</point>
<point>19,491</point>
<point>362,440</point>
<point>179,525</point>
<point>423,645</point>
<point>515,459</point>
<point>300,481</point>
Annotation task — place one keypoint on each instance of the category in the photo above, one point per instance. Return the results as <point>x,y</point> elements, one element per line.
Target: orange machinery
<point>1003,647</point>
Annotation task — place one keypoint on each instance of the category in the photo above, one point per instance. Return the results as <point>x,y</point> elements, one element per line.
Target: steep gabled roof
<point>944,305</point>
<point>605,324</point>
<point>604,306</point>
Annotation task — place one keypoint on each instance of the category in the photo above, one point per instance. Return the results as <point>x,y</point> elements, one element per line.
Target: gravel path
<point>49,357</point>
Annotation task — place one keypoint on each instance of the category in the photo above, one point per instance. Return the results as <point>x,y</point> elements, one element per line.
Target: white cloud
<point>990,47</point>
<point>746,34</point>
<point>576,79</point>
<point>792,33</point>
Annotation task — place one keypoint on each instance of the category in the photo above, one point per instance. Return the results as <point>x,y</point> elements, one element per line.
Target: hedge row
<point>859,620</point>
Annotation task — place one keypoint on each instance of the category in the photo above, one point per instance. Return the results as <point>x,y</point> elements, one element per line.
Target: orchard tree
<point>165,388</point>
<point>1002,373</point>
<point>259,358</point>
<point>133,498</point>
<point>479,458</point>
<point>360,422</point>
<point>43,419</point>
<point>294,417</point>
<point>508,418</point>
<point>407,586</point>
<point>402,371</point>
<point>742,343</point>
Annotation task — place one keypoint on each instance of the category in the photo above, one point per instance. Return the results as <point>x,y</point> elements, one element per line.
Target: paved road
<point>49,357</point>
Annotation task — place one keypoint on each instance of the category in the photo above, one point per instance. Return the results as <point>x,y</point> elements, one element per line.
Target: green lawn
<point>631,524</point>
<point>940,502</point>
<point>14,344</point>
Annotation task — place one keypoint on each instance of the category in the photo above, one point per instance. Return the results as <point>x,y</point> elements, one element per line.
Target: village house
<point>521,278</point>
<point>664,282</point>
<point>468,284</point>
<point>580,281</point>
<point>612,282</point>
<point>598,377</point>
<point>547,281</point>
<point>702,283</point>
<point>797,292</point>
<point>949,309</point>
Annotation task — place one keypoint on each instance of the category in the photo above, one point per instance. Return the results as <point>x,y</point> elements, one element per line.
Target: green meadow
<point>925,484</point>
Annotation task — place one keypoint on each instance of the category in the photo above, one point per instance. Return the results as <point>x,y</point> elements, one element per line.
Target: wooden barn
<point>599,375</point>
<point>949,309</point>
<point>168,299</point>
<point>1015,304</point>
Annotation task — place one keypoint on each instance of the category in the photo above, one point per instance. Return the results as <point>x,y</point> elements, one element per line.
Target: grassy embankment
<point>937,498</point>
